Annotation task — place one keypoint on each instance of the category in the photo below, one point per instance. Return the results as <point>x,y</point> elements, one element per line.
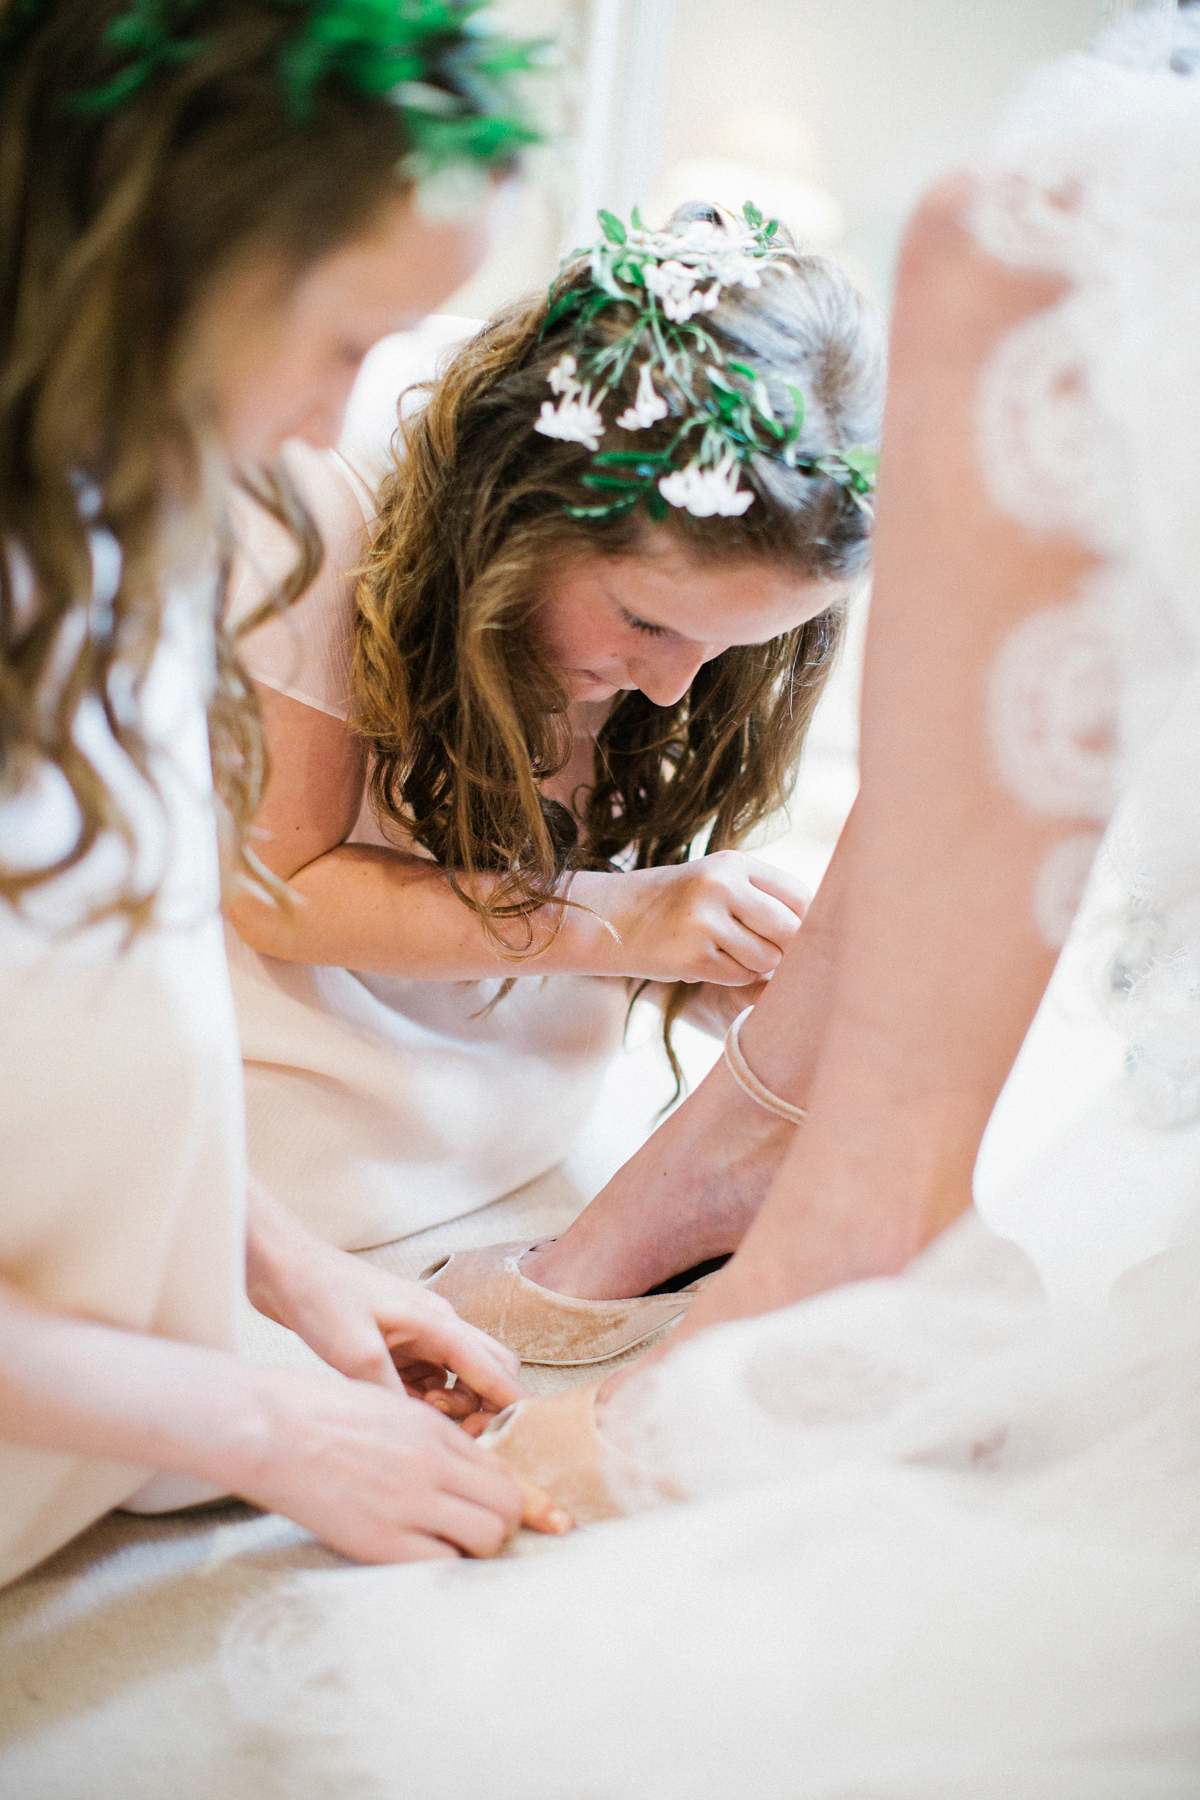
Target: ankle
<point>690,1193</point>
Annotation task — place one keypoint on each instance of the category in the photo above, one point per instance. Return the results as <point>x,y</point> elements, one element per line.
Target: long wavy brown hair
<point>115,228</point>
<point>462,713</point>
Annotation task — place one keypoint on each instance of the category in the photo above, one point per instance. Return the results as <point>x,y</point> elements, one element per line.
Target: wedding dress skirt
<point>923,1538</point>
<point>940,1544</point>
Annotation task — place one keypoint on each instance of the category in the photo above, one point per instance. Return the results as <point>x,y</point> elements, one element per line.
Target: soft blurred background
<point>835,117</point>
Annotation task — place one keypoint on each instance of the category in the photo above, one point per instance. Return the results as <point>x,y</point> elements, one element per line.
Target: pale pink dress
<point>377,1107</point>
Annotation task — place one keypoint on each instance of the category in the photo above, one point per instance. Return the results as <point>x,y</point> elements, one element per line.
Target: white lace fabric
<point>940,1540</point>
<point>1088,424</point>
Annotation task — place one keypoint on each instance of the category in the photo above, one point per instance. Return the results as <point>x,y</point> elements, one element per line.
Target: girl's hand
<point>726,918</point>
<point>375,1474</point>
<point>710,1008</point>
<point>368,1324</point>
<point>379,1476</point>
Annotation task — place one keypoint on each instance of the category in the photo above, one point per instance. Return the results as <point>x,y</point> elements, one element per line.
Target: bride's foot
<point>687,1196</point>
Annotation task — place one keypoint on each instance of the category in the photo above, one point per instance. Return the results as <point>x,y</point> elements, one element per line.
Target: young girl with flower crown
<point>601,594</point>
<point>207,217</point>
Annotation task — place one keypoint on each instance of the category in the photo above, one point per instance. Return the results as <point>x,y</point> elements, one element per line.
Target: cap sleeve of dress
<point>304,652</point>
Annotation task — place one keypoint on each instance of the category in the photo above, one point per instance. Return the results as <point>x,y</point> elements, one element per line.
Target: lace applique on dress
<point>1082,430</point>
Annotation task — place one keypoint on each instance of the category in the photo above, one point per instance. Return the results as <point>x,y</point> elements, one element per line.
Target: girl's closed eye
<point>644,625</point>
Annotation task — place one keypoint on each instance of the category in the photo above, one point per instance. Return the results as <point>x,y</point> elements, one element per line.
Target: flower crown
<point>670,279</point>
<point>448,77</point>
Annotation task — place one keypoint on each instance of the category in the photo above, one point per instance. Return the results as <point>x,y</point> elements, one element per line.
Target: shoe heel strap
<point>748,1081</point>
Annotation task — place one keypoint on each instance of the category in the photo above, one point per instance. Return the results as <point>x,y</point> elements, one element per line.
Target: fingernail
<point>559,1520</point>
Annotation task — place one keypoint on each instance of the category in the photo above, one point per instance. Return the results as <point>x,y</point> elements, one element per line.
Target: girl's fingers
<point>508,1359</point>
<point>727,971</point>
<point>415,1546</point>
<point>767,917</point>
<point>426,1336</point>
<point>448,1401</point>
<point>756,956</point>
<point>540,1510</point>
<point>475,1529</point>
<point>788,889</point>
<point>477,1360</point>
<point>366,1357</point>
<point>459,1402</point>
<point>437,1328</point>
<point>473,1475</point>
<point>543,1513</point>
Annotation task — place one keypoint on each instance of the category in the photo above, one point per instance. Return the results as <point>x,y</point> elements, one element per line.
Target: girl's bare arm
<point>377,1475</point>
<point>725,919</point>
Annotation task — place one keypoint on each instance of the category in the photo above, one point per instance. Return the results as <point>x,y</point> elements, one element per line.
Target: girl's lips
<point>589,678</point>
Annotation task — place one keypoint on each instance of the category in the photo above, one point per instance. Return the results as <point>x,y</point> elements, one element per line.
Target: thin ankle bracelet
<point>748,1081</point>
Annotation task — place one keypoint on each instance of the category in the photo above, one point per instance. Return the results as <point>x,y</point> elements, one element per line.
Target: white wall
<point>530,241</point>
<point>896,92</point>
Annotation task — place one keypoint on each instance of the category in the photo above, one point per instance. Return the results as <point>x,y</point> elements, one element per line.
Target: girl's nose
<point>322,424</point>
<point>665,674</point>
<point>321,428</point>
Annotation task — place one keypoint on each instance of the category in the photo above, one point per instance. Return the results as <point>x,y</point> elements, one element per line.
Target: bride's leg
<point>939,964</point>
<point>692,1189</point>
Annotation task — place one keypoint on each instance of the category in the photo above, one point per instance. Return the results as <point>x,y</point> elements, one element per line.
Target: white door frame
<point>625,74</point>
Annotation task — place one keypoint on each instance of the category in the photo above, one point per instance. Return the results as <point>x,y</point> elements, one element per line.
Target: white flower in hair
<point>648,406</point>
<point>740,271</point>
<point>732,258</point>
<point>562,376</point>
<point>699,234</point>
<point>576,420</point>
<point>703,492</point>
<point>675,285</point>
<point>661,280</point>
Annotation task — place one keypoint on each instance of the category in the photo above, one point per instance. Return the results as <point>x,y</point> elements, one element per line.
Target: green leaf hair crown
<point>670,279</point>
<point>448,77</point>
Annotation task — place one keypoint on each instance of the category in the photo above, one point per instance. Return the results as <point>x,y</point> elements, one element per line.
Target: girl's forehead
<point>737,601</point>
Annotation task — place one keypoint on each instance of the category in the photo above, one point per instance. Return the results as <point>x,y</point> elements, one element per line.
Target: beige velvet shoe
<point>487,1289</point>
<point>552,1440</point>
